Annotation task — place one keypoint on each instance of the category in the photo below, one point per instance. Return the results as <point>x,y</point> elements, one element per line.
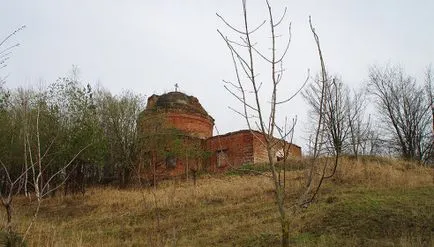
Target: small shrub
<point>11,240</point>
<point>249,169</point>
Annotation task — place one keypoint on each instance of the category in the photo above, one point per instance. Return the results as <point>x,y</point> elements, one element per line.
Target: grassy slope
<point>362,217</point>
<point>371,203</point>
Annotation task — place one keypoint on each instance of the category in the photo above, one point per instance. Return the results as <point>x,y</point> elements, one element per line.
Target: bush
<point>11,240</point>
<point>249,169</point>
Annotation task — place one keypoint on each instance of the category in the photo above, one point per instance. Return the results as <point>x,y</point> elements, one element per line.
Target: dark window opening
<point>280,155</point>
<point>171,162</point>
<point>222,158</point>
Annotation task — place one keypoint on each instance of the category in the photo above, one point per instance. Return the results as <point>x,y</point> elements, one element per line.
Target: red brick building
<point>181,134</point>
<point>241,147</point>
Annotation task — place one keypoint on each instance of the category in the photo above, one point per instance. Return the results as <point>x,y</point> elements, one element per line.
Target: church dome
<point>180,111</point>
<point>176,101</point>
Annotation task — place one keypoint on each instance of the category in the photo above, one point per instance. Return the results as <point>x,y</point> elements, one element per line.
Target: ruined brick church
<point>185,115</point>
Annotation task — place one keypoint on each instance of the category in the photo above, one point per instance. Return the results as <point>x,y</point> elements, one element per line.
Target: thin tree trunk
<point>8,208</point>
<point>285,234</point>
<point>35,215</point>
<point>186,167</point>
<point>153,171</point>
<point>26,177</point>
<point>279,199</point>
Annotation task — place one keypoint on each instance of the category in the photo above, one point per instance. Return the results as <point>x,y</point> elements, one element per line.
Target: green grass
<point>382,217</point>
<point>254,169</point>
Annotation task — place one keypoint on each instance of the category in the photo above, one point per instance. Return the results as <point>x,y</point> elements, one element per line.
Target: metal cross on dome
<point>176,87</point>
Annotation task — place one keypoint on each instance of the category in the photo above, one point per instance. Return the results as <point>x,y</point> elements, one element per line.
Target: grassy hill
<point>370,202</point>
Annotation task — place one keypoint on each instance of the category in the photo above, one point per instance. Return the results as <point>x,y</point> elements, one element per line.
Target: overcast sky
<point>148,46</point>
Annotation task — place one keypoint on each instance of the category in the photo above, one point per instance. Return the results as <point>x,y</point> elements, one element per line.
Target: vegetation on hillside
<point>370,202</point>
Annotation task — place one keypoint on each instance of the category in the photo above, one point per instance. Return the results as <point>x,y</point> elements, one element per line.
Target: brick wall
<point>232,149</point>
<point>261,154</point>
<point>192,124</point>
<point>260,151</point>
<point>195,125</point>
<point>241,147</point>
<point>179,165</point>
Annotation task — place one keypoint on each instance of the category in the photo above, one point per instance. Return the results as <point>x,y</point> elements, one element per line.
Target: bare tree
<point>404,111</point>
<point>10,187</point>
<point>325,120</point>
<point>247,81</point>
<point>248,89</point>
<point>345,127</point>
<point>359,128</point>
<point>286,134</point>
<point>41,183</point>
<point>329,97</point>
<point>6,50</point>
<point>429,88</point>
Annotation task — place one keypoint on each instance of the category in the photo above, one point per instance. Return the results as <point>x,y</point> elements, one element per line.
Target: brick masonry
<point>241,147</point>
<point>235,149</point>
<point>193,124</point>
<point>184,113</point>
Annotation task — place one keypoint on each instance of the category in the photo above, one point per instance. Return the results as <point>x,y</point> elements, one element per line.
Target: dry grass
<point>176,212</point>
<point>219,211</point>
<point>374,172</point>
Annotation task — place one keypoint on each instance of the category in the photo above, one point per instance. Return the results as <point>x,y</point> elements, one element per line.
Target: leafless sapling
<point>249,90</point>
